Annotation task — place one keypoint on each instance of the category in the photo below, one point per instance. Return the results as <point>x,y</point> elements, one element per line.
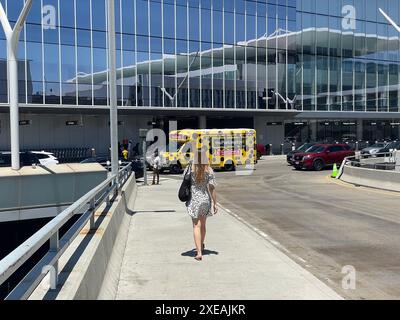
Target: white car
<point>45,158</point>
<point>29,158</point>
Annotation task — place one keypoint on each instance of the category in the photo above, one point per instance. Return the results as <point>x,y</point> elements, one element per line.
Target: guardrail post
<point>54,247</point>
<point>116,187</point>
<point>92,206</point>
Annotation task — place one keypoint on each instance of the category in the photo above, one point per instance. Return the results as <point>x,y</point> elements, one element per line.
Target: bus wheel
<point>229,166</point>
<point>175,168</point>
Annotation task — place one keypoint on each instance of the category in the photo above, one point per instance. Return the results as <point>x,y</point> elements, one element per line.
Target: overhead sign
<point>72,123</point>
<point>25,122</point>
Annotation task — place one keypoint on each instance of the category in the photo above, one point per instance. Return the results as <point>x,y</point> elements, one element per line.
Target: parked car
<point>45,158</point>
<point>395,145</point>
<point>321,156</point>
<point>374,149</point>
<point>349,137</point>
<point>136,163</point>
<point>303,148</point>
<point>137,166</point>
<point>261,151</point>
<point>28,158</point>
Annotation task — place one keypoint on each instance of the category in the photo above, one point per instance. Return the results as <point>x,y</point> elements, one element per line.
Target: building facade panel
<point>268,54</point>
<point>338,56</point>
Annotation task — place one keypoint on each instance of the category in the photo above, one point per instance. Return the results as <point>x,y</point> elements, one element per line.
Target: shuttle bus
<point>225,148</point>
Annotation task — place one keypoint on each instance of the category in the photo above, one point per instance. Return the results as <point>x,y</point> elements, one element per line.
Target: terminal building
<point>294,70</point>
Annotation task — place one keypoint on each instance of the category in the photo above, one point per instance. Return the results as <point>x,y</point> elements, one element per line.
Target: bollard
<point>282,149</point>
<point>356,145</point>
<point>270,149</point>
<point>293,146</point>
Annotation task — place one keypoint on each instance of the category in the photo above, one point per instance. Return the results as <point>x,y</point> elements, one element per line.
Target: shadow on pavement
<point>192,253</point>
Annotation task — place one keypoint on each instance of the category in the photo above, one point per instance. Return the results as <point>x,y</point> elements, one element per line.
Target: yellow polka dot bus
<point>225,149</point>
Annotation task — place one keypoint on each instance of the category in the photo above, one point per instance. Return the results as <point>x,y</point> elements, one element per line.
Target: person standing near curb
<point>203,199</point>
<point>156,162</point>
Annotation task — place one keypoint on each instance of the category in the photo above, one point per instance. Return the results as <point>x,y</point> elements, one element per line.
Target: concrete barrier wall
<point>31,193</point>
<point>382,179</point>
<point>89,269</point>
<point>376,160</point>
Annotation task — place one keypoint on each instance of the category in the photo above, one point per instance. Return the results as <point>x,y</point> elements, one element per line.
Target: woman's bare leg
<point>197,236</point>
<point>203,230</point>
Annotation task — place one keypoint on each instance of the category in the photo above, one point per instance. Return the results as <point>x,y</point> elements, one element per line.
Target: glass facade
<point>309,55</point>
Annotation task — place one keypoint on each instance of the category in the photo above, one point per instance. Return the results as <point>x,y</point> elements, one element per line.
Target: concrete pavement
<point>159,263</point>
<point>325,224</point>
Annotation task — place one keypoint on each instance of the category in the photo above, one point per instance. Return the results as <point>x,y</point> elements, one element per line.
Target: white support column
<point>313,127</point>
<point>113,87</point>
<point>360,129</point>
<point>12,36</point>
<point>202,122</point>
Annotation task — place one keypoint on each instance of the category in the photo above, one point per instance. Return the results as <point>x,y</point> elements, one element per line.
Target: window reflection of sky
<point>327,68</point>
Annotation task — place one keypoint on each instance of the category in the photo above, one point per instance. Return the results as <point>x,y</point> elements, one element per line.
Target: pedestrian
<point>125,154</point>
<point>156,163</point>
<point>130,146</point>
<point>119,149</point>
<point>203,199</point>
<point>136,149</point>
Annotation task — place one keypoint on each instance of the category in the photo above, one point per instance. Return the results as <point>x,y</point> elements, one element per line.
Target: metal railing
<point>377,161</point>
<point>65,155</point>
<point>86,206</point>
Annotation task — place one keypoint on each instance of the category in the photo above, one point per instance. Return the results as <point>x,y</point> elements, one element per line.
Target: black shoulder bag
<point>184,191</point>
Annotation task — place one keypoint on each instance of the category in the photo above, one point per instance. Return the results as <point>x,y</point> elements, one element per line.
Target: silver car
<point>374,149</point>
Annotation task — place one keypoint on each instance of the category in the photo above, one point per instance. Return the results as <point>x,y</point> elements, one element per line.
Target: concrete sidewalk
<point>238,263</point>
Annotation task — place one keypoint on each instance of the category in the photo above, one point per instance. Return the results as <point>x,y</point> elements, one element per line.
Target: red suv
<point>321,156</point>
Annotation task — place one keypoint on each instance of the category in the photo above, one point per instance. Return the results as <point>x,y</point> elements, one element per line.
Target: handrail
<point>86,206</point>
<point>356,159</point>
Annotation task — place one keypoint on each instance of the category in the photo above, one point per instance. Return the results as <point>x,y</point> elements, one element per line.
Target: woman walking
<point>203,201</point>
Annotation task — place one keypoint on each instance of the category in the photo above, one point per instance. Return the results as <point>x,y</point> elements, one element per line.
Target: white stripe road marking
<point>299,258</point>
<point>261,233</point>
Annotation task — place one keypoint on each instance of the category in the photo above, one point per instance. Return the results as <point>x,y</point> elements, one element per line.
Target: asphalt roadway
<point>323,224</point>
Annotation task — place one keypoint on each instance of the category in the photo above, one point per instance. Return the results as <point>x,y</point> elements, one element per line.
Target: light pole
<point>12,39</point>
<point>112,78</point>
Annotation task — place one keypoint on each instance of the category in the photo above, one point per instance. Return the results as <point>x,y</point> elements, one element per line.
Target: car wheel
<point>175,168</point>
<point>318,165</point>
<point>229,166</point>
